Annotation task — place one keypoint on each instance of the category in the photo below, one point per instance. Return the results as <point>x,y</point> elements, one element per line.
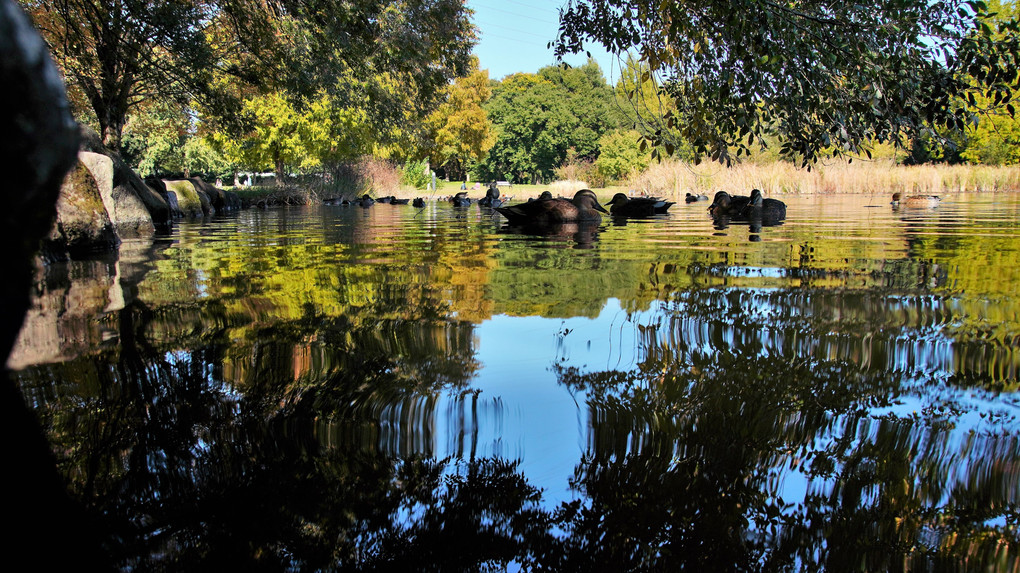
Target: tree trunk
<point>279,168</point>
<point>112,130</point>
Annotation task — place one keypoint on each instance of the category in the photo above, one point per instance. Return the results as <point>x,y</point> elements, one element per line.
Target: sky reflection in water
<point>842,388</point>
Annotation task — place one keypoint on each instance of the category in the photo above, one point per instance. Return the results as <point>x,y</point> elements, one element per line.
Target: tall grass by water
<point>675,178</point>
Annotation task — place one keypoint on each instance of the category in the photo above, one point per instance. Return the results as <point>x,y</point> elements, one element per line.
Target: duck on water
<point>584,207</point>
<point>754,207</point>
<point>760,207</point>
<point>726,205</point>
<point>623,206</point>
<point>922,201</point>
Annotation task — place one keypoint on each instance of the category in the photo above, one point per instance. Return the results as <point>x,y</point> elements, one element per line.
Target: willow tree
<point>824,76</point>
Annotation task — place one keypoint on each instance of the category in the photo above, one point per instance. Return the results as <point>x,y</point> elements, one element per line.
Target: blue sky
<point>514,33</point>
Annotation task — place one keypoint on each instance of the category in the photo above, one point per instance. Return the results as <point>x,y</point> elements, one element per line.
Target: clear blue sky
<point>513,35</point>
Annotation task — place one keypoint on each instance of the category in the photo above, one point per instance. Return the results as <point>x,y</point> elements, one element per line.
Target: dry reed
<point>567,188</point>
<point>675,179</point>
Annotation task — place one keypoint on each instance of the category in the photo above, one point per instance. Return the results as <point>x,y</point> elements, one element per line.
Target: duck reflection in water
<point>582,233</point>
<point>584,207</point>
<point>623,206</point>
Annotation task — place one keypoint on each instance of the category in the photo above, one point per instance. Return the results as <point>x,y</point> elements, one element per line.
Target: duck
<point>922,201</point>
<point>395,201</point>
<point>726,205</point>
<point>460,199</point>
<point>365,201</point>
<point>542,197</point>
<point>385,199</point>
<point>418,202</point>
<point>695,198</point>
<point>491,198</point>
<point>583,207</point>
<point>764,209</point>
<point>623,206</point>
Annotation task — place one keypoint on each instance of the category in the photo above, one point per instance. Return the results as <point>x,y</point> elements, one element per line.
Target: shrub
<point>620,155</point>
<point>416,174</point>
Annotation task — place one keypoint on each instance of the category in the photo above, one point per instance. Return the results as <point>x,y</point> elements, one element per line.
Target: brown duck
<point>922,201</point>
<point>583,207</point>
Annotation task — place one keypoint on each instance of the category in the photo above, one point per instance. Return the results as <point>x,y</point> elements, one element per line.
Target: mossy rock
<point>82,225</point>
<point>191,201</point>
<point>221,199</point>
<point>127,211</point>
<point>128,188</point>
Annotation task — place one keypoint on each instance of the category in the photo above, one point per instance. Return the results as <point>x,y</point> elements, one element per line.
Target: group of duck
<point>585,207</point>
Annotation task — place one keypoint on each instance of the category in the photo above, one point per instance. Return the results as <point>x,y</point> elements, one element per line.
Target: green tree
<point>163,138</point>
<point>120,53</point>
<point>995,139</point>
<point>822,75</point>
<point>620,155</point>
<point>461,129</point>
<point>117,54</point>
<point>539,117</point>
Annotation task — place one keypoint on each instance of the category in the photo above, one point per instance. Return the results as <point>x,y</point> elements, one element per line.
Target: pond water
<point>359,389</point>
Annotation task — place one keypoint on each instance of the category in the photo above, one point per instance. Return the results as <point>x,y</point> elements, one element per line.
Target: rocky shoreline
<point>102,200</point>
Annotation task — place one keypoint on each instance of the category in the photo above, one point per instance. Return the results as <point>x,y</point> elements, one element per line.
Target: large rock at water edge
<point>128,186</point>
<point>193,201</point>
<point>128,213</point>
<point>82,225</point>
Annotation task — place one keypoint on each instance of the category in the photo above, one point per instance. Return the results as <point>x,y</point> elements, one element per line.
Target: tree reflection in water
<point>274,399</point>
<point>690,455</point>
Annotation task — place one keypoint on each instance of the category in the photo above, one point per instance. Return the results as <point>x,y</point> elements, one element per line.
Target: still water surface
<point>356,389</point>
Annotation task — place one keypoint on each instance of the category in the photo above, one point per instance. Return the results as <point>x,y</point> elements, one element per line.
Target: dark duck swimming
<point>765,209</point>
<point>623,206</point>
<point>460,199</point>
<point>584,207</point>
<point>491,198</point>
<point>726,205</point>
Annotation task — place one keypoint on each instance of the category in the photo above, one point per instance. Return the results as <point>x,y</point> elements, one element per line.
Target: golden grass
<point>675,179</point>
<point>566,187</point>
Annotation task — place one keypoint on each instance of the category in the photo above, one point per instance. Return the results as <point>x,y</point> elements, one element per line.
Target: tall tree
<point>996,137</point>
<point>539,117</point>
<point>461,131</point>
<point>119,53</point>
<point>821,74</point>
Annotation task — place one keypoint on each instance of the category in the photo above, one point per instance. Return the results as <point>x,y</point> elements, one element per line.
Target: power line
<point>507,28</point>
<point>544,21</point>
<point>523,5</point>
